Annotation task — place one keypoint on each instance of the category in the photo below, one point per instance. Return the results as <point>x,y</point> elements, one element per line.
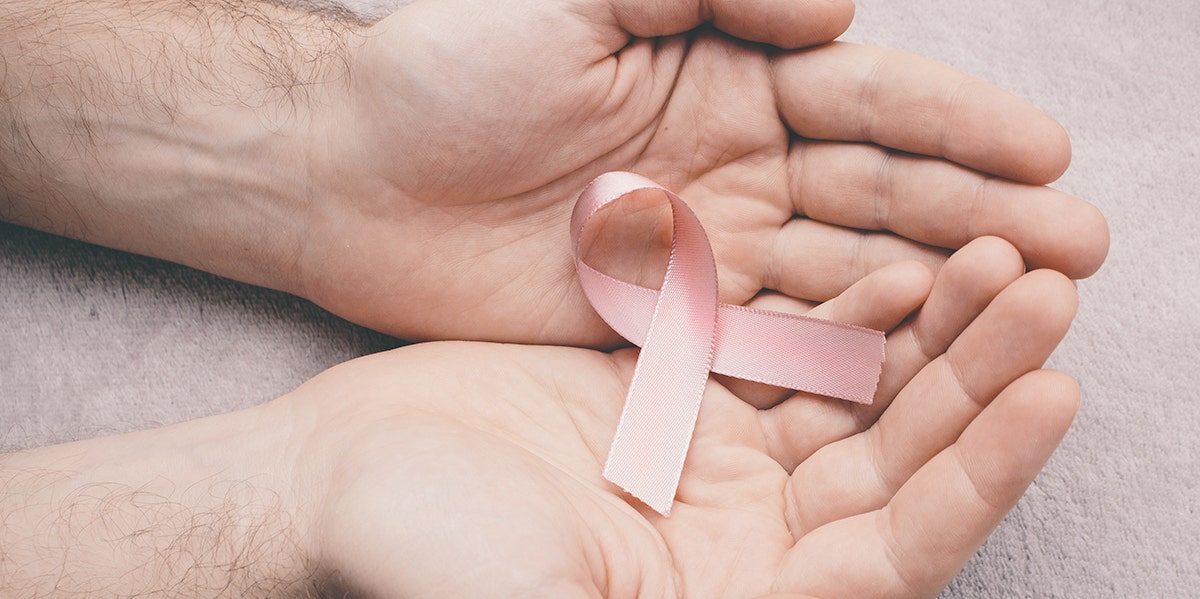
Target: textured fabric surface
<point>94,341</point>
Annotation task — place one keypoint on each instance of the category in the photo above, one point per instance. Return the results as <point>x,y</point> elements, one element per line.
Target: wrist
<point>196,509</point>
<point>179,131</point>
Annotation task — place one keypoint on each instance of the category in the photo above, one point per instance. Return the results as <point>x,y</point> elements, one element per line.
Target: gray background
<point>94,341</point>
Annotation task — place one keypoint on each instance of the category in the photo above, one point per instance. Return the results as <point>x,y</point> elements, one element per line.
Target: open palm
<point>463,469</point>
<point>468,130</point>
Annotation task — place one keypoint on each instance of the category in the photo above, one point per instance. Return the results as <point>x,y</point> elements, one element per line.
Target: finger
<point>881,301</point>
<point>942,204</point>
<point>945,511</point>
<point>942,515</point>
<point>971,279</point>
<point>968,282</point>
<point>1014,335</point>
<point>778,302</point>
<point>859,93</point>
<point>784,23</point>
<point>816,261</point>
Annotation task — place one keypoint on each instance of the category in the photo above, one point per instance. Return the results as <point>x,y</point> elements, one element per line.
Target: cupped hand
<point>469,470</point>
<point>444,174</point>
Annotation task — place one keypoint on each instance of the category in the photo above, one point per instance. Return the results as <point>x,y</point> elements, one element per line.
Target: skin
<point>416,176</point>
<point>473,469</point>
<point>765,145</point>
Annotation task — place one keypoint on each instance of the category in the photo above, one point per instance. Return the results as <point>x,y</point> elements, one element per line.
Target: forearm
<point>201,509</point>
<point>173,129</point>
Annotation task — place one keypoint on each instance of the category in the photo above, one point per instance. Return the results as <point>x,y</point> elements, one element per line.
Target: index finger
<point>940,516</point>
<point>850,92</point>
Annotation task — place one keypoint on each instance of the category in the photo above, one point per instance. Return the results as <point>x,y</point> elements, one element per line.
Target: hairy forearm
<point>169,128</point>
<point>202,509</point>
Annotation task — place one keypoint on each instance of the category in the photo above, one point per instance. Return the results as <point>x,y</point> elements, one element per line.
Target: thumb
<point>783,23</point>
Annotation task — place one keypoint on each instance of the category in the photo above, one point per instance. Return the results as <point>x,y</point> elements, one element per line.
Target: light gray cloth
<point>94,341</point>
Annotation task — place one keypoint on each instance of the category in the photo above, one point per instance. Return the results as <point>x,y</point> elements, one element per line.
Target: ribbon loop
<point>685,333</point>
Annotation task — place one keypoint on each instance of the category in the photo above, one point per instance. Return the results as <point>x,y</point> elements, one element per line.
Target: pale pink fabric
<point>685,333</point>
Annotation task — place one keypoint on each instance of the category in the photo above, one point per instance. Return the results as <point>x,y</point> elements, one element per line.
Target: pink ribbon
<point>685,333</point>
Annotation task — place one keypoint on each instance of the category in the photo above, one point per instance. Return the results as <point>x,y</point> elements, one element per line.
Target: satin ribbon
<point>685,333</point>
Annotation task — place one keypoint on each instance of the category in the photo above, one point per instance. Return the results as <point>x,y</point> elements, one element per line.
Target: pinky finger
<point>881,301</point>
